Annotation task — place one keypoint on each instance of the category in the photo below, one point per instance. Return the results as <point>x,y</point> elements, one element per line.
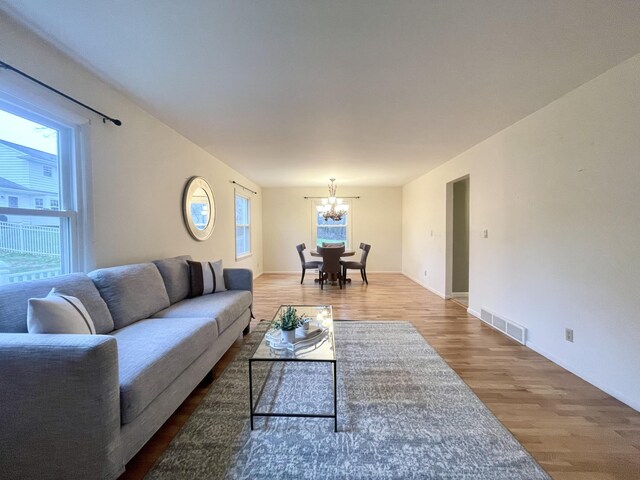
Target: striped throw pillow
<point>206,278</point>
<point>58,313</point>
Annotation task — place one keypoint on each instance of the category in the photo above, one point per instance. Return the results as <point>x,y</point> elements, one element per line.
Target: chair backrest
<point>300,248</point>
<point>330,244</point>
<point>365,253</point>
<point>331,258</point>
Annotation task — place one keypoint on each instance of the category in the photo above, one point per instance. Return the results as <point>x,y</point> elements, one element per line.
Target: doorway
<point>458,240</point>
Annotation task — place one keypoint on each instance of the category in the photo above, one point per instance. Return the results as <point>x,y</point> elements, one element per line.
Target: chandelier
<point>332,207</point>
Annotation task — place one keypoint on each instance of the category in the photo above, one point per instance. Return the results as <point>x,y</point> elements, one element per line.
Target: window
<point>331,231</point>
<point>36,156</point>
<point>243,226</point>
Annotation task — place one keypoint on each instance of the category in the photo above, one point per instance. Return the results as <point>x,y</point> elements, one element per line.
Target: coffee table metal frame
<point>253,405</point>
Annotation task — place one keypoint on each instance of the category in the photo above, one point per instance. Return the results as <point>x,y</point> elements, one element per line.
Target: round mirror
<point>199,208</point>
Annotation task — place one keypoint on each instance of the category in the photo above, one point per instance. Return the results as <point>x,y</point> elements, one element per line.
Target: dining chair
<point>330,264</point>
<point>303,261</point>
<point>361,265</point>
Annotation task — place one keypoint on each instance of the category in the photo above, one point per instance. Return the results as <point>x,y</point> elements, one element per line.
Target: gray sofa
<point>81,406</point>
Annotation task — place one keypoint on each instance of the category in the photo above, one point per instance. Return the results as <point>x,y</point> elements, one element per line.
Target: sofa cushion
<point>225,307</point>
<point>206,278</point>
<point>14,300</point>
<point>132,292</point>
<point>152,353</point>
<point>175,273</point>
<point>58,313</point>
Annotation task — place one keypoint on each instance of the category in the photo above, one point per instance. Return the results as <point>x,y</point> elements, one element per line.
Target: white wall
<point>559,194</point>
<point>375,218</point>
<point>139,169</point>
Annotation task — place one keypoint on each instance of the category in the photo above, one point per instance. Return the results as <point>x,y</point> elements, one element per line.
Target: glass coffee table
<point>320,349</point>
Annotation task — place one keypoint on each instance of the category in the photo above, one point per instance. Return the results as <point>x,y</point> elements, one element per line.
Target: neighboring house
<point>28,179</point>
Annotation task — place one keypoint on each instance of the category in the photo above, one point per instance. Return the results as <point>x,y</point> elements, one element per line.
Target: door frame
<point>449,234</point>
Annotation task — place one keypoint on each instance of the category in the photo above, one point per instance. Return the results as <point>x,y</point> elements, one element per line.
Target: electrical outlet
<point>568,334</point>
<point>485,234</point>
<point>425,273</point>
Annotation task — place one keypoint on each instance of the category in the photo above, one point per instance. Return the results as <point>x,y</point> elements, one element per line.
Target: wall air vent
<point>499,323</point>
<point>516,332</point>
<point>508,327</point>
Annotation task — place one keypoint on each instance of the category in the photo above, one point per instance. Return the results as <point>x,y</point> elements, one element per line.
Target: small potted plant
<point>287,323</point>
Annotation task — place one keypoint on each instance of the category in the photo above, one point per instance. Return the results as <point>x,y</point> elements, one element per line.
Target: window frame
<point>72,177</point>
<point>244,255</point>
<point>314,222</point>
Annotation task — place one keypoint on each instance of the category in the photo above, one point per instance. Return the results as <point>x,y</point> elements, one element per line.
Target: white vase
<point>288,336</point>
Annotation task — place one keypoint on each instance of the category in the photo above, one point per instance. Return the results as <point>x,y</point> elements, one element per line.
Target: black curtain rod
<point>105,117</point>
<point>242,186</point>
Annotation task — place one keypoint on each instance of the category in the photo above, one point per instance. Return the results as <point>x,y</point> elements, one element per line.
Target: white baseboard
<point>632,402</point>
<point>259,274</point>
<point>424,285</point>
<point>474,313</point>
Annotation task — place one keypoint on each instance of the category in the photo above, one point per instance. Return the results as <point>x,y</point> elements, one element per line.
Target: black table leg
<point>335,398</point>
<point>250,394</point>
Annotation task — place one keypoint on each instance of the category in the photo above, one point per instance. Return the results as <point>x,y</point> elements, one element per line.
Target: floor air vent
<point>509,328</point>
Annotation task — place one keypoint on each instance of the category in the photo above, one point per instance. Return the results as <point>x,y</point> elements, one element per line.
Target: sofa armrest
<point>238,279</point>
<point>60,406</point>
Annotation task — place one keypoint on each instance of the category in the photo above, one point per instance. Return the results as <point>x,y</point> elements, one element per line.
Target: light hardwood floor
<point>574,430</point>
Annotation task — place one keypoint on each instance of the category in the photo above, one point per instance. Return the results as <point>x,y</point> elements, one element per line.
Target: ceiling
<point>371,92</point>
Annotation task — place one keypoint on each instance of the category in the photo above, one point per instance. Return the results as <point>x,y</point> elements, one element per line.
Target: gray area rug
<point>403,413</point>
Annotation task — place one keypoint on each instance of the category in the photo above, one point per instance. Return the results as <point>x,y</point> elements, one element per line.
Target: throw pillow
<point>57,313</point>
<point>206,278</point>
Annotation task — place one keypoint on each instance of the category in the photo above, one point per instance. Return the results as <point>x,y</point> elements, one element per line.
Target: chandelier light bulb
<point>332,208</point>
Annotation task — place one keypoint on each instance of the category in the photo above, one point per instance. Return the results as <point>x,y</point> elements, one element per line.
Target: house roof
<point>32,152</point>
<point>4,183</point>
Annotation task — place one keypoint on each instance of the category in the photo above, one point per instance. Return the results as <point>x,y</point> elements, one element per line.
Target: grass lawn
<point>328,240</point>
<point>23,262</point>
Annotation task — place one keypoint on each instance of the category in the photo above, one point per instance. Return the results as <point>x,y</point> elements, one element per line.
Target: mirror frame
<point>192,185</point>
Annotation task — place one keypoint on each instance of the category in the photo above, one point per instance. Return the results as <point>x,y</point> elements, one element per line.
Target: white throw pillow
<point>57,313</point>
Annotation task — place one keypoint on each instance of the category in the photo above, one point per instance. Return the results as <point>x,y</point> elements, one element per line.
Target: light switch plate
<point>568,334</point>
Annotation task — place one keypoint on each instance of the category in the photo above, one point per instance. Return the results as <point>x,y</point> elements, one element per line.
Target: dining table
<point>346,253</point>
